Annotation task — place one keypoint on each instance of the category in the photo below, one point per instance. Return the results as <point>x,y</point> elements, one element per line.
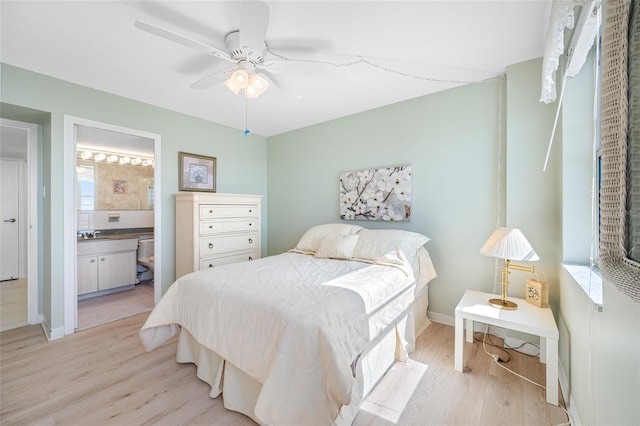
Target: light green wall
<point>241,165</point>
<point>533,200</point>
<point>451,141</point>
<point>599,351</point>
<point>602,356</point>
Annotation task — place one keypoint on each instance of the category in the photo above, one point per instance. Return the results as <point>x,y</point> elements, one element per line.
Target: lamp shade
<point>509,243</point>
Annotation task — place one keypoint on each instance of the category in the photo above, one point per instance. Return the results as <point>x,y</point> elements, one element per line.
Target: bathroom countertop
<point>115,237</point>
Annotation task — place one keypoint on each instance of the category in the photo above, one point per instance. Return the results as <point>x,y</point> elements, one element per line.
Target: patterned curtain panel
<point>633,146</point>
<point>615,123</point>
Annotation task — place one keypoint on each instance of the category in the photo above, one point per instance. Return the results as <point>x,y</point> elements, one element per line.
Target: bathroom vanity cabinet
<point>106,264</point>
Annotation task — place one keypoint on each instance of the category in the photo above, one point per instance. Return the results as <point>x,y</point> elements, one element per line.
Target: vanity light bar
<point>113,157</point>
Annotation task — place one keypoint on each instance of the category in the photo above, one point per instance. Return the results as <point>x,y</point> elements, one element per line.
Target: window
<point>86,183</point>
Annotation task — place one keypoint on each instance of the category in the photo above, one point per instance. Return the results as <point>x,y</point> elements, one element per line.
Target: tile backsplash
<point>110,219</point>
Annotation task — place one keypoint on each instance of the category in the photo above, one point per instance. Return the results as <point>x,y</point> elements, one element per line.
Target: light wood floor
<point>13,304</point>
<point>102,375</point>
<point>111,307</point>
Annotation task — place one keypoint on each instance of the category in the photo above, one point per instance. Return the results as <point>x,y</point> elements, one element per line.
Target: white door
<point>10,246</point>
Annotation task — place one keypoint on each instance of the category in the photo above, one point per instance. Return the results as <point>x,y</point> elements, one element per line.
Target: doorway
<point>19,280</point>
<point>74,128</point>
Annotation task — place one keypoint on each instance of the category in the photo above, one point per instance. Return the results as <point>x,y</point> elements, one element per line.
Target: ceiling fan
<point>246,48</point>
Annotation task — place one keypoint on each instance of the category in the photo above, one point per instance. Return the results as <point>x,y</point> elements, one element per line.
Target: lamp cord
<point>368,61</point>
<point>499,177</point>
<point>499,150</point>
<point>496,359</point>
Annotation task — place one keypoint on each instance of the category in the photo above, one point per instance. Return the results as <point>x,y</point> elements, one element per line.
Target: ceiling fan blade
<point>299,67</point>
<point>183,40</point>
<point>274,81</point>
<point>210,80</point>
<point>254,23</point>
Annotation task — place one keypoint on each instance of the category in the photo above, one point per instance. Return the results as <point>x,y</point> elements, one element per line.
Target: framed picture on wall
<point>197,172</point>
<point>119,186</point>
<point>376,194</point>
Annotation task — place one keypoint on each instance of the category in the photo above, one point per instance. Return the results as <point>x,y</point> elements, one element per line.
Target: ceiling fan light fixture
<point>251,93</point>
<point>240,77</point>
<point>260,83</point>
<point>244,77</point>
<point>257,86</point>
<point>233,85</point>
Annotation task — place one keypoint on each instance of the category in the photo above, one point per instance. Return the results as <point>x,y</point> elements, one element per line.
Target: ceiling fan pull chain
<point>246,125</point>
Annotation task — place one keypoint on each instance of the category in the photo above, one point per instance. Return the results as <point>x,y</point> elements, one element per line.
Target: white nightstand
<point>527,318</point>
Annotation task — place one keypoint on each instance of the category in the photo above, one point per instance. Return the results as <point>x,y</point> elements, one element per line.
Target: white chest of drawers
<point>215,229</point>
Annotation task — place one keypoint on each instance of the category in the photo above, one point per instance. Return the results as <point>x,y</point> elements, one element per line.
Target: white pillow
<point>311,239</point>
<point>374,244</point>
<point>337,246</point>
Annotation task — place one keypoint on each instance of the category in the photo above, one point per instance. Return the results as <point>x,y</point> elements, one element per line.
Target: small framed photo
<point>537,293</point>
<point>119,186</point>
<point>197,172</point>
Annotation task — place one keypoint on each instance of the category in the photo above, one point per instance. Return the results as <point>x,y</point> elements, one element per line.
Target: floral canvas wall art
<point>376,194</point>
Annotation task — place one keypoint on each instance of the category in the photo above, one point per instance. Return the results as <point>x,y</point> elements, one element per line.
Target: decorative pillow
<point>311,239</point>
<point>375,244</point>
<point>337,246</point>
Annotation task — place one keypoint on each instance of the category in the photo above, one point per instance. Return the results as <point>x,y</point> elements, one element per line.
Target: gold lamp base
<point>503,304</point>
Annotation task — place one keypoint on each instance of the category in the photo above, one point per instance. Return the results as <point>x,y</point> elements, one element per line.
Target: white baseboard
<point>39,319</point>
<point>441,318</point>
<point>564,381</point>
<point>564,388</point>
<point>51,333</point>
<point>573,415</point>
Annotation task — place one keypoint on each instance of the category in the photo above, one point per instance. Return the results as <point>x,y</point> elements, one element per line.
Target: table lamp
<point>509,244</point>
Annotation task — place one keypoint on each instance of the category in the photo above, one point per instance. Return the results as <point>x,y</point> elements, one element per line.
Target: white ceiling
<point>409,43</point>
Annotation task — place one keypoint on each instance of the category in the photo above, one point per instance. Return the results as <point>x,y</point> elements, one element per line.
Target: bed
<point>301,337</point>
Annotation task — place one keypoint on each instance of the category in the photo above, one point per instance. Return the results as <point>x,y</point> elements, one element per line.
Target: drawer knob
<point>250,211</point>
<point>102,260</point>
<point>210,265</point>
<point>210,226</point>
<point>210,211</point>
<point>93,260</point>
<point>210,245</point>
<point>250,241</point>
<point>250,258</point>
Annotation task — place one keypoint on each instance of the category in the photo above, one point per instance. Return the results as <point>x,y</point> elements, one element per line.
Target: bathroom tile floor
<point>111,307</point>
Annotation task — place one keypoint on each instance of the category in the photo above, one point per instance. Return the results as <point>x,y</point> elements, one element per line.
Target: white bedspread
<point>293,322</point>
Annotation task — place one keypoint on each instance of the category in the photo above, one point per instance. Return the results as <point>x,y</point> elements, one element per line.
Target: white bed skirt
<point>241,391</point>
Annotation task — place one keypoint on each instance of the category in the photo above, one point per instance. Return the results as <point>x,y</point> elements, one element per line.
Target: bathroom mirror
<point>114,170</point>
